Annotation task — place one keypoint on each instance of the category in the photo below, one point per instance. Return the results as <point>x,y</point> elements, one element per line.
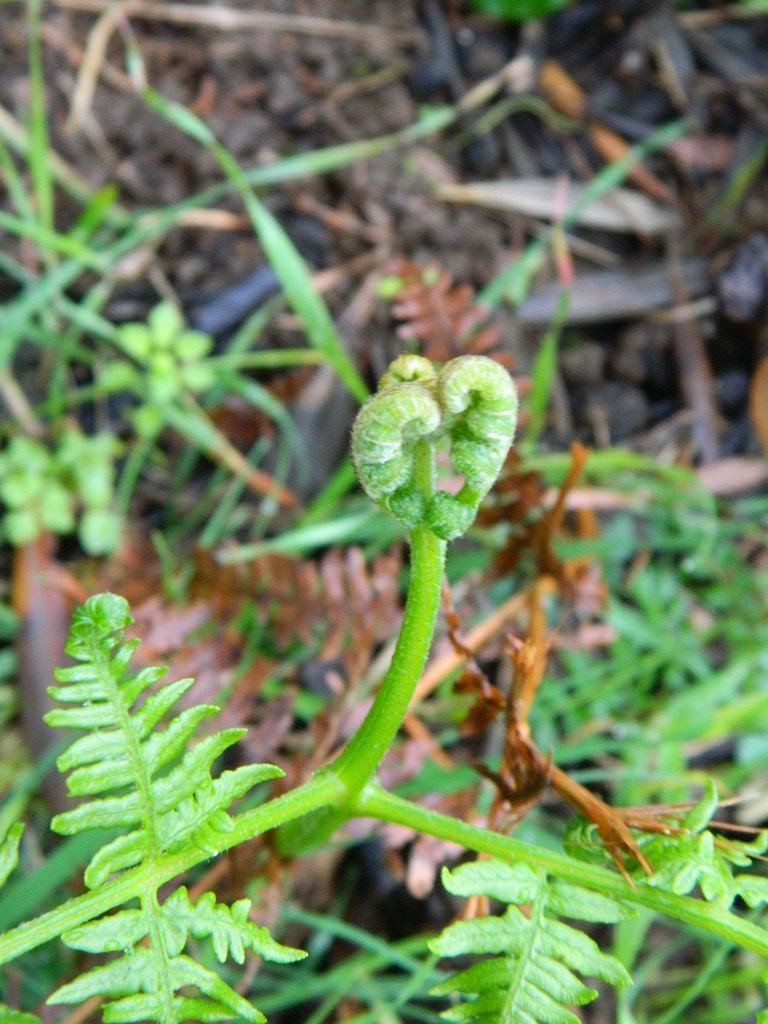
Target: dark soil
<point>269,93</point>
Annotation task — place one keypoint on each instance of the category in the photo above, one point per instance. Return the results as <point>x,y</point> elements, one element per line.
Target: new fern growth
<point>471,401</point>
<point>532,959</point>
<point>144,779</point>
<point>135,768</point>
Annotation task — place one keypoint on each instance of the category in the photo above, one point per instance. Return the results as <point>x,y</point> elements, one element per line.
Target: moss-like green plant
<point>134,770</point>
<point>172,359</point>
<point>61,489</point>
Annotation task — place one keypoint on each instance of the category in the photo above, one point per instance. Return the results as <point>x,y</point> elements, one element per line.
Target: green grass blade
<point>349,528</point>
<point>543,374</point>
<point>37,155</point>
<point>513,282</point>
<point>282,254</point>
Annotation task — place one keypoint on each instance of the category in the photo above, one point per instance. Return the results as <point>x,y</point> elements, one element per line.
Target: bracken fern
<point>529,976</point>
<point>146,780</point>
<point>135,770</point>
<point>687,855</point>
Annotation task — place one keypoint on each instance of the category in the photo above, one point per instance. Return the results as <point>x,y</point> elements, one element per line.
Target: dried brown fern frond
<point>338,606</point>
<point>442,317</point>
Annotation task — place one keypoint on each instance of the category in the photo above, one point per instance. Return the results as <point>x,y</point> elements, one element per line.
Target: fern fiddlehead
<point>479,405</point>
<point>145,780</point>
<point>472,401</point>
<point>390,447</point>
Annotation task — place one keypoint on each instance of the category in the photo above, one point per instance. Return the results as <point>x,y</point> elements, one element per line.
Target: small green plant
<point>62,489</point>
<point>534,956</point>
<point>152,781</point>
<point>171,359</point>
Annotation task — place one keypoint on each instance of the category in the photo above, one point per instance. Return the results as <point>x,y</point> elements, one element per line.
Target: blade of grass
<point>513,282</point>
<point>282,254</point>
<point>543,374</point>
<point>340,484</point>
<point>51,241</point>
<point>269,359</point>
<point>149,225</point>
<point>220,519</point>
<point>39,147</point>
<point>192,423</point>
<point>350,528</point>
<point>739,183</point>
<point>14,184</point>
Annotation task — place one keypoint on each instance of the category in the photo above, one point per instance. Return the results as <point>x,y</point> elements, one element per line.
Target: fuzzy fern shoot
<point>472,401</point>
<point>144,779</point>
<point>139,766</point>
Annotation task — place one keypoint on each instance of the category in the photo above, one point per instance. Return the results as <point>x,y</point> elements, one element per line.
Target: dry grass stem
<point>229,19</point>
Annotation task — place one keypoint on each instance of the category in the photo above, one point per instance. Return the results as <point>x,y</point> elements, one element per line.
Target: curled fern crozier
<point>472,401</point>
<point>385,436</point>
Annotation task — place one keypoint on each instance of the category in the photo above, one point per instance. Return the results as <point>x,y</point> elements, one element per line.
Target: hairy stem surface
<point>318,792</point>
<point>376,802</point>
<point>360,758</point>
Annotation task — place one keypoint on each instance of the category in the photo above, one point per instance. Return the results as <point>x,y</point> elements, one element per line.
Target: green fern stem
<point>375,802</point>
<point>326,791</point>
<point>321,791</point>
<point>151,906</point>
<point>358,761</point>
<point>353,768</point>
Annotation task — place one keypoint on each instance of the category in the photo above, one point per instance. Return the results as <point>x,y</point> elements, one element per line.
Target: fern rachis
<point>150,779</point>
<point>147,781</point>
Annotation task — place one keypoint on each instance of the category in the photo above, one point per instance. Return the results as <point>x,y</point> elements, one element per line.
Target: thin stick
<point>474,640</point>
<point>693,367</point>
<point>91,65</point>
<point>228,19</point>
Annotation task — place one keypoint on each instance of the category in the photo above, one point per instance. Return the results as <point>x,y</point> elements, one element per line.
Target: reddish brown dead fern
<point>442,317</point>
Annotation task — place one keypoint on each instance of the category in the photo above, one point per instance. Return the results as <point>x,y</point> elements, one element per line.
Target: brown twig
<point>693,368</point>
<point>230,19</point>
<point>447,663</point>
<point>94,59</point>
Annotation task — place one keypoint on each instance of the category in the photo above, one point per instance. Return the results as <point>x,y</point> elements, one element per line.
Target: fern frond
<point>688,855</point>
<point>143,988</point>
<point>136,979</point>
<point>138,777</point>
<point>229,928</point>
<point>9,851</point>
<point>143,777</point>
<point>693,856</point>
<point>531,976</point>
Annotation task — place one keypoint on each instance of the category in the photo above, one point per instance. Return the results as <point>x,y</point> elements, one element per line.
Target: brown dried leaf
<point>609,821</point>
<point>734,474</point>
<point>441,315</point>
